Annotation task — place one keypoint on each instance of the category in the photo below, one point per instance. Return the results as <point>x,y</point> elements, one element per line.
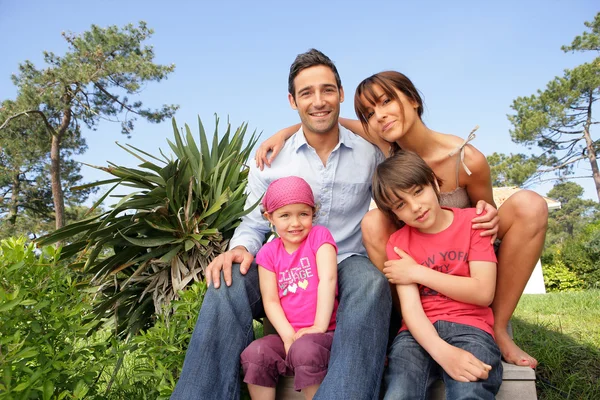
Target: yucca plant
<point>159,238</point>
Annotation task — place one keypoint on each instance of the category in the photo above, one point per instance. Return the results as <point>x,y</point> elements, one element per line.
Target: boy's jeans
<point>212,364</point>
<point>411,370</point>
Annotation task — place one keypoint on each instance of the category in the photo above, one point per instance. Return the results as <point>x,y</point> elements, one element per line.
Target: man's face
<point>318,99</point>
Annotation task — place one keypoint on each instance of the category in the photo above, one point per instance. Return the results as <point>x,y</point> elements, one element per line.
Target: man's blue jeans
<point>212,363</point>
<point>411,370</point>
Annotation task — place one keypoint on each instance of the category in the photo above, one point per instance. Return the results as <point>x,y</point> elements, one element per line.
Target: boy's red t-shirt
<point>449,252</point>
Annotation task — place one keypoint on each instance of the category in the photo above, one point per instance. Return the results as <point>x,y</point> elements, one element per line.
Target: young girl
<point>298,283</point>
<point>390,108</point>
<point>447,325</point>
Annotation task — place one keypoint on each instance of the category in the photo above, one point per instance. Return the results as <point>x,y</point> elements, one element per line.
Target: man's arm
<point>247,238</point>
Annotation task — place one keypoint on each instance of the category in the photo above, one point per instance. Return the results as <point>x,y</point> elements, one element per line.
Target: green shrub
<point>558,278</point>
<point>44,352</point>
<point>153,359</point>
<point>158,240</point>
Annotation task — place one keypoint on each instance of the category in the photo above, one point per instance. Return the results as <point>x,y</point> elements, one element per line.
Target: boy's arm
<point>459,364</point>
<point>270,297</point>
<point>326,258</point>
<point>477,289</point>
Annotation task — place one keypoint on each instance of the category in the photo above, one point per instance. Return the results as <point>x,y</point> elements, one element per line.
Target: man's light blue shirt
<point>342,189</point>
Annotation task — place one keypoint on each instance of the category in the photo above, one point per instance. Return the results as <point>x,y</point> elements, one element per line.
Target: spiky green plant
<point>158,239</point>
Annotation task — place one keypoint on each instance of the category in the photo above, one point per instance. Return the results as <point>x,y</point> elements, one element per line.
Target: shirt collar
<point>346,139</point>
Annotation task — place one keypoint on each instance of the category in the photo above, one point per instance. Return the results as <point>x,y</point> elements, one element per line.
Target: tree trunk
<point>589,144</point>
<point>57,192</point>
<point>13,209</point>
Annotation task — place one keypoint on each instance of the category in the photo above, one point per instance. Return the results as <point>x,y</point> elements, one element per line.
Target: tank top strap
<point>461,150</point>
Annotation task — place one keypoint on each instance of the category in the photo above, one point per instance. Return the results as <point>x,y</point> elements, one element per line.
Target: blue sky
<point>470,59</point>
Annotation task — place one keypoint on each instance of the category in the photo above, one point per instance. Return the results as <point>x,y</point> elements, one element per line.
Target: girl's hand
<point>287,344</point>
<point>304,331</point>
<point>461,365</point>
<point>403,271</point>
<point>274,144</point>
<point>488,220</point>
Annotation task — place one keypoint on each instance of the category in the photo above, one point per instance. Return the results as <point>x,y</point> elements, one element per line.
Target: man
<point>338,165</point>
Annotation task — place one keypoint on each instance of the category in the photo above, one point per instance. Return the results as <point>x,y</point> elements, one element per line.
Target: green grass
<point>562,330</point>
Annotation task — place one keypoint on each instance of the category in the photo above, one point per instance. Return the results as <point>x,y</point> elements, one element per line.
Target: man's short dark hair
<point>309,59</point>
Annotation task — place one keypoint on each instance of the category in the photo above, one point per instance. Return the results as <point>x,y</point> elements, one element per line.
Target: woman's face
<point>388,117</point>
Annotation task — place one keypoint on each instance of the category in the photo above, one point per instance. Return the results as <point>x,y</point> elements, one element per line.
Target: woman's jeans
<point>224,329</point>
<point>411,370</point>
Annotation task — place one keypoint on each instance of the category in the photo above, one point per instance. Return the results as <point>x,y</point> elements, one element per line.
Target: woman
<point>390,108</point>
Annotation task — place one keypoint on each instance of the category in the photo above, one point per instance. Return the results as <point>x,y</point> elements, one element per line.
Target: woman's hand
<point>274,144</point>
<point>488,220</point>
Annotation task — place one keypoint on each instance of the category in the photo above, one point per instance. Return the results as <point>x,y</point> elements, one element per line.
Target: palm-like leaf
<point>158,239</point>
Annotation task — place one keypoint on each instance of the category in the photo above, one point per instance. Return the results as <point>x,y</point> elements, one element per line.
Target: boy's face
<point>419,207</point>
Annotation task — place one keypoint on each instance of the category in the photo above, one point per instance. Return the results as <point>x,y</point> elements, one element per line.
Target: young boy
<point>445,275</point>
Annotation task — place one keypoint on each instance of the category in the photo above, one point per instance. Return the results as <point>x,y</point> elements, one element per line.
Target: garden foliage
<point>44,350</point>
<point>158,239</point>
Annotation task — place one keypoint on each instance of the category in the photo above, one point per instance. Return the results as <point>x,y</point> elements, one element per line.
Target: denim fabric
<point>211,369</point>
<point>265,360</point>
<point>361,334</point>
<point>224,329</point>
<point>411,370</point>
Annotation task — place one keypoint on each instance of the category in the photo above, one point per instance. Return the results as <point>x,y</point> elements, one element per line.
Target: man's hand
<point>488,220</point>
<point>461,365</point>
<point>237,255</point>
<point>403,271</point>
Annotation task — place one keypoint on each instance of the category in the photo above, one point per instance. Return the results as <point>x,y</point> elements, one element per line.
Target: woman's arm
<point>270,297</point>
<point>356,127</point>
<point>479,189</point>
<point>274,144</point>
<point>326,258</point>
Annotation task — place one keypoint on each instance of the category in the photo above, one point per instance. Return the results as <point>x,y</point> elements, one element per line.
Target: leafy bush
<point>44,352</point>
<point>558,278</point>
<point>579,255</point>
<point>156,241</point>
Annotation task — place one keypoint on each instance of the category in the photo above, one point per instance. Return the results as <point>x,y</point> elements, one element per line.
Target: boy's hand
<point>461,365</point>
<point>403,271</point>
<point>304,331</point>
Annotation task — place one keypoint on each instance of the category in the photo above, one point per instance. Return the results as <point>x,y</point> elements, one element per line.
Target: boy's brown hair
<point>400,172</point>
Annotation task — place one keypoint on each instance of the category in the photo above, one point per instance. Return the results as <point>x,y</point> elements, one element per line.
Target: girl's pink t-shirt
<point>297,276</point>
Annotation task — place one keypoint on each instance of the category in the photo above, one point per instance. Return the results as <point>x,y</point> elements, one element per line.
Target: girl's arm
<point>327,270</point>
<point>459,364</point>
<point>477,289</point>
<point>270,297</point>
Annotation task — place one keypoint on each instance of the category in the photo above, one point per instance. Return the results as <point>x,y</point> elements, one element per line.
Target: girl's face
<point>292,223</point>
<point>389,118</point>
